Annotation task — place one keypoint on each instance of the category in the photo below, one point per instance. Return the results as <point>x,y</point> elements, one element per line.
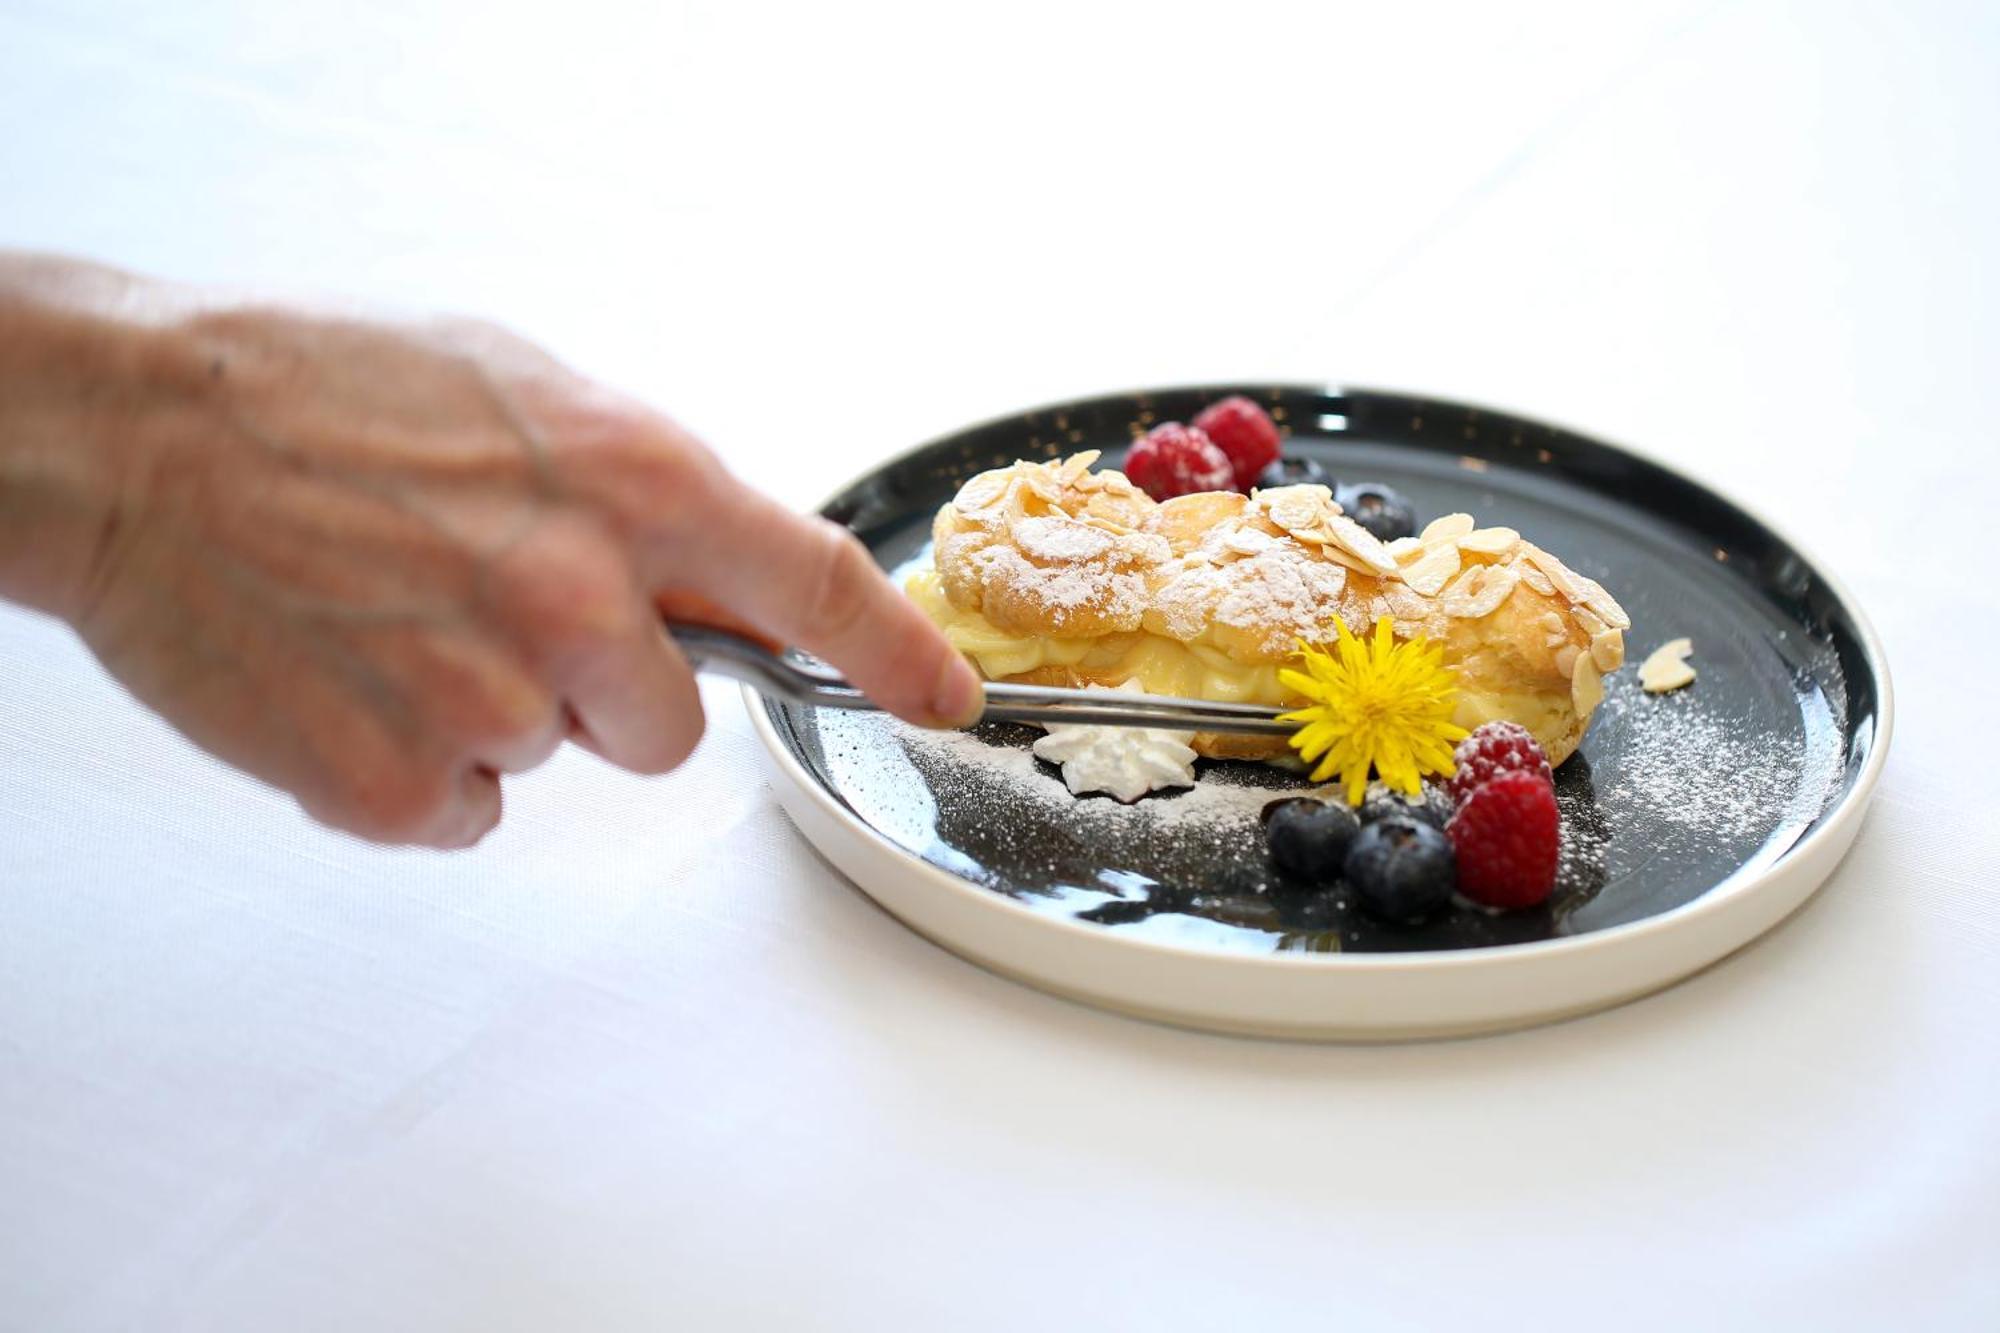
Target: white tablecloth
<point>643,1060</point>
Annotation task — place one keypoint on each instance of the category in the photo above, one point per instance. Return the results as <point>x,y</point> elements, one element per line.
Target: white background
<point>643,1061</point>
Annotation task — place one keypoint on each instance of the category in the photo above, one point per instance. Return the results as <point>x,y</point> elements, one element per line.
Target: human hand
<point>379,565</point>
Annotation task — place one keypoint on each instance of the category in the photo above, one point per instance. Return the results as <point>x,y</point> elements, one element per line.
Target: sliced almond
<point>1061,540</point>
<point>1608,650</point>
<point>1534,578</point>
<point>1586,686</point>
<point>1666,667</point>
<point>1013,507</point>
<point>1405,549</point>
<point>1552,622</point>
<point>981,493</point>
<point>1076,465</point>
<point>1557,573</point>
<point>1588,619</point>
<point>1296,507</point>
<point>1041,481</point>
<point>1431,571</point>
<point>1566,658</point>
<point>1248,541</point>
<point>1480,592</point>
<point>1110,525</point>
<point>1602,602</point>
<point>1406,604</point>
<point>1447,527</point>
<point>1332,552</point>
<point>1490,541</point>
<point>1360,542</point>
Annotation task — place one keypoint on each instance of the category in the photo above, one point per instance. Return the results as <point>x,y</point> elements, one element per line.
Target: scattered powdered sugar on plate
<point>1671,795</point>
<point>980,805</point>
<point>1580,854</point>
<point>1686,767</point>
<point>973,766</point>
<point>987,789</point>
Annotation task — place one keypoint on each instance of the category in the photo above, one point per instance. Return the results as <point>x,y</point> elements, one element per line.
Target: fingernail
<point>958,699</point>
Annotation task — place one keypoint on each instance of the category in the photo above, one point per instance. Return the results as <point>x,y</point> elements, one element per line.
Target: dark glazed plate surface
<point>1669,797</point>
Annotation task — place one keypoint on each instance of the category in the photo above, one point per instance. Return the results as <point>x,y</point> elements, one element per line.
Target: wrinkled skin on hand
<point>381,565</point>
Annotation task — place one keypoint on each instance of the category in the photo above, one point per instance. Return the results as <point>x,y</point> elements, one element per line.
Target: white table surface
<point>642,1060</point>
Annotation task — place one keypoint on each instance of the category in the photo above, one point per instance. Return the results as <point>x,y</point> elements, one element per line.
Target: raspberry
<point>1173,459</point>
<point>1507,835</point>
<point>1496,748</point>
<point>1245,432</point>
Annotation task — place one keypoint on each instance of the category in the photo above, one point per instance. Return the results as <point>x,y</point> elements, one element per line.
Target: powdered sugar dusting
<point>971,766</point>
<point>982,806</point>
<point>1687,768</point>
<point>1580,854</point>
<point>1051,539</point>
<point>1060,592</point>
<point>1669,796</point>
<point>1280,594</point>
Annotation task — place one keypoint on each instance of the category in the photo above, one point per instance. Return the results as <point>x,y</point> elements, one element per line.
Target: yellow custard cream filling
<point>1184,670</point>
<point>1161,666</point>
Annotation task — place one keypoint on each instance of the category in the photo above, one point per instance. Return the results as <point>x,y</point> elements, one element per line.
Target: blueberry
<point>1384,803</point>
<point>1292,470</point>
<point>1378,508</point>
<point>1401,868</point>
<point>1309,838</point>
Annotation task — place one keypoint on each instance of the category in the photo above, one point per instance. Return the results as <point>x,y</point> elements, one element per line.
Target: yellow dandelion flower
<point>1377,704</point>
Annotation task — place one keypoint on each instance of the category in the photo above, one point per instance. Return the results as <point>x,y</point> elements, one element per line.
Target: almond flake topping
<point>1076,465</point>
<point>1554,570</point>
<point>1447,527</point>
<point>1490,541</point>
<point>1667,668</point>
<point>1433,569</point>
<point>1479,591</point>
<point>1586,687</point>
<point>981,493</point>
<point>1359,542</point>
<point>1248,541</point>
<point>1298,507</point>
<point>1602,602</point>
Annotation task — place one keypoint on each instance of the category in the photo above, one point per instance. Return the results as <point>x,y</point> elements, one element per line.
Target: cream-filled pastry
<point>1052,574</point>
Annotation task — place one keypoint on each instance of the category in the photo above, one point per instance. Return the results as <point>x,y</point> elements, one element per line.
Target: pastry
<point>1052,574</point>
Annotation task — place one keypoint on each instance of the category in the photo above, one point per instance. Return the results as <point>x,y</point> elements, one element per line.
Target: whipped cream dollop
<point>1125,762</point>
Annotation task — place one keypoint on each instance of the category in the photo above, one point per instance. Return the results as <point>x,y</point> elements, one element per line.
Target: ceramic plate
<point>1692,821</point>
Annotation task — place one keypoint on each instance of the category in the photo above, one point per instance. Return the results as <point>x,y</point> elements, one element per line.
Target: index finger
<point>809,582</point>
